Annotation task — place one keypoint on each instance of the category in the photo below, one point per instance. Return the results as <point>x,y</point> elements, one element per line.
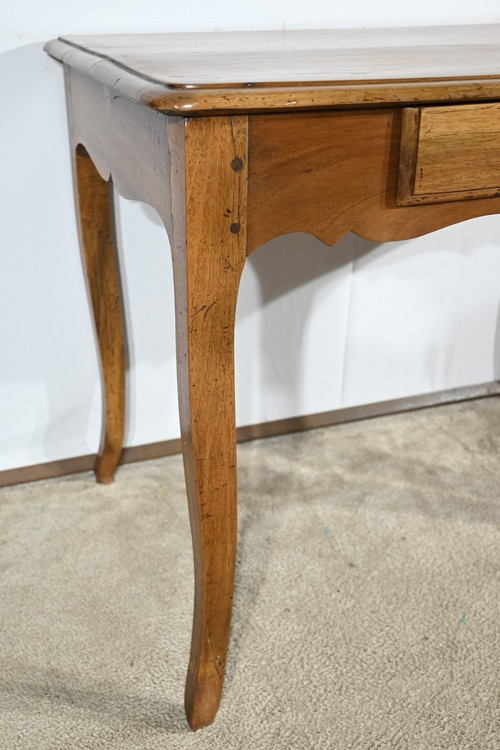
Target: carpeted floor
<point>367,606</point>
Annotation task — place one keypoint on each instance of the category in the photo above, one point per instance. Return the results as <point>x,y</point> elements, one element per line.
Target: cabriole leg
<point>97,237</point>
<point>209,253</point>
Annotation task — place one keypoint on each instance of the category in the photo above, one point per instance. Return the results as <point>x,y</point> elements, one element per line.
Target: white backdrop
<point>318,328</point>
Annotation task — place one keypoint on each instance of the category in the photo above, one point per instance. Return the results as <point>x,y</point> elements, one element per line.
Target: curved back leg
<point>97,239</point>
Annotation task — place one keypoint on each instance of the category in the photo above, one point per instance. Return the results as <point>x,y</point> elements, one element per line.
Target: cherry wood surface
<point>235,139</point>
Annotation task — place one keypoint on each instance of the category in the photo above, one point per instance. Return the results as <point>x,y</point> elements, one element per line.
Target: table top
<point>256,71</point>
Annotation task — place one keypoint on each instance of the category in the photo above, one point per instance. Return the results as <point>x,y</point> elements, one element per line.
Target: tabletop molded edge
<point>204,100</point>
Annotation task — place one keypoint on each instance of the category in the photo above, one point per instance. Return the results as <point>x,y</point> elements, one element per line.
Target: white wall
<point>318,328</point>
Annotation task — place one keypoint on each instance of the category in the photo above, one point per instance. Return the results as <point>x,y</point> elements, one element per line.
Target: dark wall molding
<point>78,464</point>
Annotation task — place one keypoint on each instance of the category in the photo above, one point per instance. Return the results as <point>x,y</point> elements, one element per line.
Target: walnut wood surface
<point>123,138</point>
<point>95,211</point>
<point>410,128</point>
<point>195,173</point>
<point>331,173</point>
<point>329,55</point>
<point>226,184</point>
<point>449,153</point>
<point>209,254</point>
<point>251,71</point>
<point>458,152</point>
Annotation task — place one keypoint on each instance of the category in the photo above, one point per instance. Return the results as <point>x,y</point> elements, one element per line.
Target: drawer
<point>449,153</point>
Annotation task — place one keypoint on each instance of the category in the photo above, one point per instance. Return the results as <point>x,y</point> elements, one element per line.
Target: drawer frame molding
<point>437,168</point>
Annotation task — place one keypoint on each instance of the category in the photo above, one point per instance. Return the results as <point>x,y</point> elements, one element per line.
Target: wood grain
<point>199,170</point>
<point>209,254</point>
<point>410,127</point>
<point>291,70</point>
<point>224,182</point>
<point>95,211</point>
<point>123,139</point>
<point>449,154</point>
<point>458,152</point>
<point>270,58</point>
<point>331,173</point>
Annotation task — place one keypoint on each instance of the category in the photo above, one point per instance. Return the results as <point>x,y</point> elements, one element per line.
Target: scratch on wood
<point>210,307</point>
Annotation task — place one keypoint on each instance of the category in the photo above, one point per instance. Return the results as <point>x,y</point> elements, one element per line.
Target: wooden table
<point>235,138</point>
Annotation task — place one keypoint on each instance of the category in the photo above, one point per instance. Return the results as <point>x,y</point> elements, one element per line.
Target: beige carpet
<point>367,608</point>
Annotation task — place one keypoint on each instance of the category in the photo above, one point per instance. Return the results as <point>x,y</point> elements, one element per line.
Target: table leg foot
<point>97,238</point>
<point>201,701</point>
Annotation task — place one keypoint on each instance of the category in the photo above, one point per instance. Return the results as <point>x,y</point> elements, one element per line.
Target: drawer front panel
<point>449,153</point>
